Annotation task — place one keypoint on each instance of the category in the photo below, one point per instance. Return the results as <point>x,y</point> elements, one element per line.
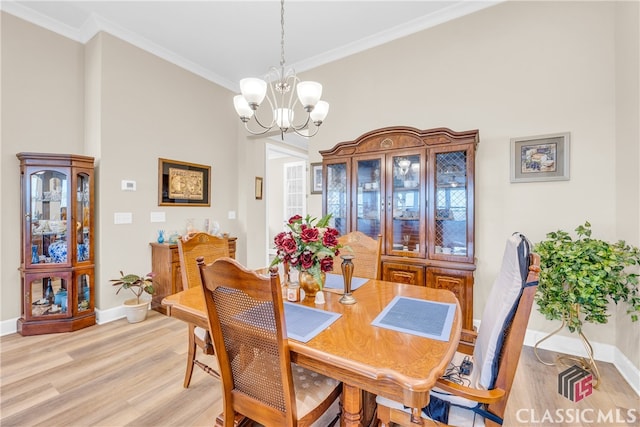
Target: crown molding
<point>455,10</point>
<point>95,24</point>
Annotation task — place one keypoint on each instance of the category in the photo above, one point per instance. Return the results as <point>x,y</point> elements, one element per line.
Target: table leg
<point>351,406</point>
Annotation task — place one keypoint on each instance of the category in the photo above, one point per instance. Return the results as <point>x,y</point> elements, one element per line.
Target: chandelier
<point>279,82</point>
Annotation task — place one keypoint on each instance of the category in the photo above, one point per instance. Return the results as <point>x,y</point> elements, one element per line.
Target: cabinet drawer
<point>409,274</point>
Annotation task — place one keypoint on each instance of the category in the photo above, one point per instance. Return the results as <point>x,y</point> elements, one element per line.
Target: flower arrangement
<point>308,245</point>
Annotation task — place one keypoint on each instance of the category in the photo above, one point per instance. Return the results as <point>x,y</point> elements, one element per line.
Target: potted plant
<point>580,277</point>
<point>135,308</point>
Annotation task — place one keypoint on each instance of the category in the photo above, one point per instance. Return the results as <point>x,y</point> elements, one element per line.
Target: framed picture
<point>258,188</point>
<point>183,184</point>
<point>540,158</point>
<point>316,178</point>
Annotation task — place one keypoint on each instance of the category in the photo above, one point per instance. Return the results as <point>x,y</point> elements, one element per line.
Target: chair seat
<point>460,413</point>
<point>458,416</point>
<point>311,388</point>
<point>200,333</point>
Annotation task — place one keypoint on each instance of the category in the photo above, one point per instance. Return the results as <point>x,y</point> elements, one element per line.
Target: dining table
<point>359,351</point>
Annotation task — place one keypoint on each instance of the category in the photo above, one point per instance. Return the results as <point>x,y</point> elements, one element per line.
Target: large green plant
<point>582,276</point>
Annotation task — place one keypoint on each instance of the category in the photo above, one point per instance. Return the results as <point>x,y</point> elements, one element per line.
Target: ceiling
<point>224,41</point>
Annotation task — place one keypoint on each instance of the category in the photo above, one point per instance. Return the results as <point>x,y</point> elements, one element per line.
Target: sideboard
<point>165,264</point>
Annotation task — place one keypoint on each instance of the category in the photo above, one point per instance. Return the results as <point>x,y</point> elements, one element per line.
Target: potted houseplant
<point>309,245</point>
<point>135,308</point>
<point>580,277</point>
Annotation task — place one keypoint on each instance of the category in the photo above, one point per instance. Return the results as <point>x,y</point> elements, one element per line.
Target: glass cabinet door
<point>369,204</point>
<point>451,199</point>
<point>83,288</point>
<point>83,217</point>
<point>46,216</point>
<point>407,189</point>
<point>48,295</point>
<point>337,195</point>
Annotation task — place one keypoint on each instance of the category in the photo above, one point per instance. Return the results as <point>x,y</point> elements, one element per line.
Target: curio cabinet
<point>57,254</point>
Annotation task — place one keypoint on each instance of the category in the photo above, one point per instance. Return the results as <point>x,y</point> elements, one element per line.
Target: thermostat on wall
<point>128,185</point>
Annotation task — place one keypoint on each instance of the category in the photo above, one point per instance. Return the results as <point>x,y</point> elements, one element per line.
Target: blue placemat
<point>304,323</point>
<point>336,281</point>
<point>427,319</point>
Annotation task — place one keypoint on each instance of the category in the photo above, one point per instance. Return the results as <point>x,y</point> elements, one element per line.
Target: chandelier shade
<point>277,90</point>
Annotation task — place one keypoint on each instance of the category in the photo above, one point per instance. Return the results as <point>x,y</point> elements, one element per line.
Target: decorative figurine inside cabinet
<point>57,254</point>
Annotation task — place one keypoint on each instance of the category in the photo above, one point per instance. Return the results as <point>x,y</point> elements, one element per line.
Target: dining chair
<point>367,253</point>
<point>246,319</point>
<point>476,394</point>
<point>210,248</point>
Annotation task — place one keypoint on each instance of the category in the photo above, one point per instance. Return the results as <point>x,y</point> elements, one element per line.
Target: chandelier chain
<point>282,33</point>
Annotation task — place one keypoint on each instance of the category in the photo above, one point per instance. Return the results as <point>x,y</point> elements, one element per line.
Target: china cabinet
<point>57,243</point>
<point>415,188</point>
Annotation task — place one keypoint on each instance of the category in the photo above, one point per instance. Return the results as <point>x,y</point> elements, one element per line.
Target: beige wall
<point>138,108</point>
<point>627,174</point>
<point>42,111</point>
<point>516,69</point>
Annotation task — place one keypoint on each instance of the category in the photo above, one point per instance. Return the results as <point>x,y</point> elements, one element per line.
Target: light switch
<point>232,215</point>
<point>122,218</point>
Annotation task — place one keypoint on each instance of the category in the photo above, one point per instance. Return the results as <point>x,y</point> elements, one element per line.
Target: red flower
<point>289,245</point>
<point>306,260</point>
<point>326,264</point>
<point>330,240</point>
<point>295,218</point>
<point>309,234</point>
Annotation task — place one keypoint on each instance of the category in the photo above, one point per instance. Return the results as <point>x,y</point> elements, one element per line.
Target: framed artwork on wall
<point>540,158</point>
<point>258,188</point>
<point>183,184</point>
<point>316,178</point>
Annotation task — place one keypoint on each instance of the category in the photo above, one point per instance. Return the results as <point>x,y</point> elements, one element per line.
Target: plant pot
<point>136,312</point>
<point>309,285</point>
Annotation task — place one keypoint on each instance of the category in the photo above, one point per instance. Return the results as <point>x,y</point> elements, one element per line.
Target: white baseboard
<point>601,352</point>
<point>10,326</point>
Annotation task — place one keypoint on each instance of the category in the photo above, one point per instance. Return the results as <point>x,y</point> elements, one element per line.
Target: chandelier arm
<point>252,132</point>
<point>273,120</point>
<point>307,135</point>
<point>303,125</point>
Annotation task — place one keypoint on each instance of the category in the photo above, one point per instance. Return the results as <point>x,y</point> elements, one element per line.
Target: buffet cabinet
<point>57,243</point>
<point>416,189</point>
<point>167,276</point>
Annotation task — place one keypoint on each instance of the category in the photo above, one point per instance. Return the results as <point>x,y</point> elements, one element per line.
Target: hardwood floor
<point>122,374</point>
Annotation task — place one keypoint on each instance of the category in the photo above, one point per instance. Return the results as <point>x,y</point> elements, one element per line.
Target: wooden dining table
<point>393,364</point>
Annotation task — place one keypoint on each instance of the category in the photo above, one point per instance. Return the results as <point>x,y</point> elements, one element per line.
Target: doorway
<point>285,189</point>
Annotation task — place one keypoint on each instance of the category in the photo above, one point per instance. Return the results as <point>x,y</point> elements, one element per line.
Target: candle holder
<point>347,273</point>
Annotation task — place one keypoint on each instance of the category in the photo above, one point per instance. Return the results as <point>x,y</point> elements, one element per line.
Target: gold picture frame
<point>258,188</point>
<point>316,178</point>
<point>183,184</point>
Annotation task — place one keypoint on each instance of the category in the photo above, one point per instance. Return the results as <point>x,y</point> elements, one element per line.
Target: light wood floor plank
<point>122,374</point>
